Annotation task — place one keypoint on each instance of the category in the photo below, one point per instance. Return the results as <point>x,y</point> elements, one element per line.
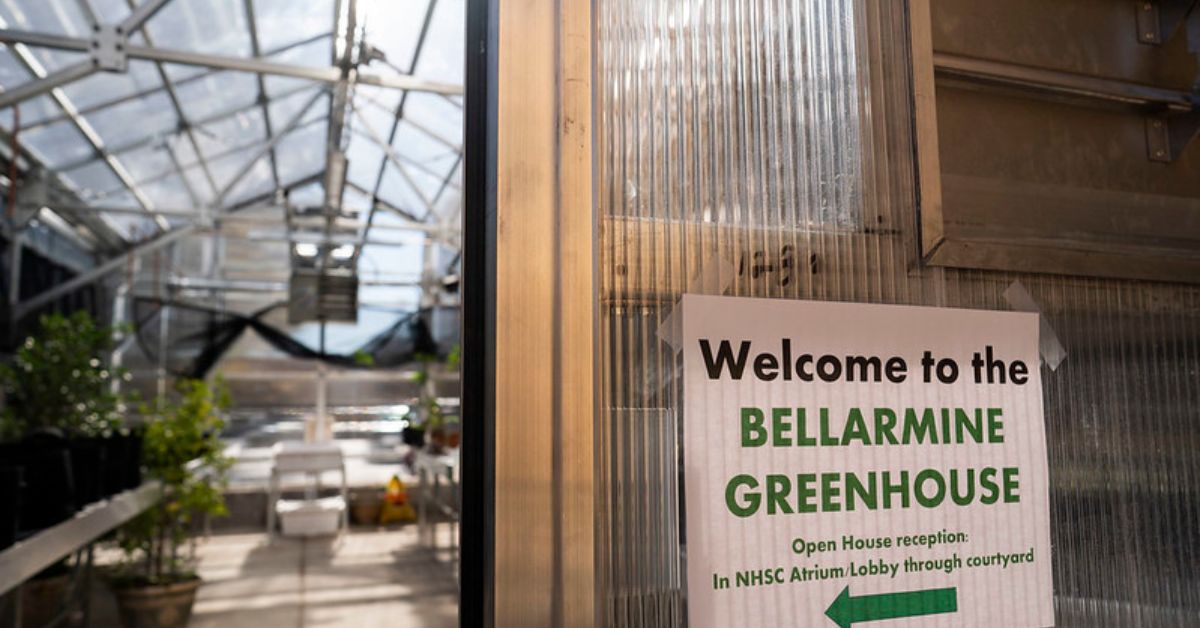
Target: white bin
<point>318,517</point>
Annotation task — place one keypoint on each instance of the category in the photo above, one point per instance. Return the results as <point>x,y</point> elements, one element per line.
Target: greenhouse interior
<point>600,313</point>
<point>231,248</point>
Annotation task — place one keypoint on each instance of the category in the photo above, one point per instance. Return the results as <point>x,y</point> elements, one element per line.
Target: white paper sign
<point>851,464</point>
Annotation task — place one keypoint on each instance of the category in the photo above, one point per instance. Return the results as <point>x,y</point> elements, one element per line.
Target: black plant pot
<point>48,494</point>
<point>115,462</point>
<point>413,436</point>
<point>121,456</point>
<point>88,465</point>
<point>12,479</point>
<point>133,459</point>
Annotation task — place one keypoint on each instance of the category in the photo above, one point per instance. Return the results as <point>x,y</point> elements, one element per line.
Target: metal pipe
<point>40,86</point>
<point>325,75</point>
<point>140,16</point>
<point>260,66</point>
<point>1062,83</point>
<point>256,50</point>
<point>138,95</point>
<point>25,307</point>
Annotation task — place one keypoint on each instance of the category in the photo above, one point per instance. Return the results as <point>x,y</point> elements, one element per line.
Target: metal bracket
<point>1158,20</point>
<point>32,195</point>
<point>1167,136</point>
<point>108,49</point>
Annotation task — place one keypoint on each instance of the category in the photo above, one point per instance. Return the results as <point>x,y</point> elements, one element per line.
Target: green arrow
<point>847,610</point>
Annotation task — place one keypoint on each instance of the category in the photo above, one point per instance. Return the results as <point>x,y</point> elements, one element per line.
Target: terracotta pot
<point>445,438</point>
<point>157,606</point>
<point>42,599</point>
<point>364,511</point>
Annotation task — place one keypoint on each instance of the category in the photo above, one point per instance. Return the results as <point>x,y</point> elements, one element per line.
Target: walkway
<point>367,578</point>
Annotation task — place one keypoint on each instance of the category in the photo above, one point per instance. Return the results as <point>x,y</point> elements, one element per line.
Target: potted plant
<point>443,429</point>
<point>414,433</point>
<point>62,420</point>
<point>156,585</point>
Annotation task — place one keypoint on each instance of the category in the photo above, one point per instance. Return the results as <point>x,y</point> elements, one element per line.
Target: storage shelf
<point>28,557</point>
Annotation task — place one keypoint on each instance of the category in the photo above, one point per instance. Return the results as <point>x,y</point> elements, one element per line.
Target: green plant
<point>58,379</point>
<point>182,449</point>
<point>362,358</point>
<point>423,361</point>
<point>434,419</point>
<point>454,358</point>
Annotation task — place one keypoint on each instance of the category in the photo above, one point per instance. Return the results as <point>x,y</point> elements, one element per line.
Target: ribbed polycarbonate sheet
<point>775,137</point>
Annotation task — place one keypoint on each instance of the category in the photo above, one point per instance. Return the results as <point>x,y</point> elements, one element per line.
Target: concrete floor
<point>364,578</point>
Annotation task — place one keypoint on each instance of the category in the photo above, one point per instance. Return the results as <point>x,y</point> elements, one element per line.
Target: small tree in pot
<point>57,380</point>
<point>157,586</point>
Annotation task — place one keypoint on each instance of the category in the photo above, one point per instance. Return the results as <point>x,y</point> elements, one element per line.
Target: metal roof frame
<point>340,80</point>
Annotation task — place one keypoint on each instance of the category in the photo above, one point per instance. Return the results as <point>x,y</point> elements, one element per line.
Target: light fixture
<point>306,249</point>
<point>345,251</point>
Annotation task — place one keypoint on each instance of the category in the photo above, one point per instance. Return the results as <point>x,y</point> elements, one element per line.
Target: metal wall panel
<point>1064,131</point>
<point>776,138</point>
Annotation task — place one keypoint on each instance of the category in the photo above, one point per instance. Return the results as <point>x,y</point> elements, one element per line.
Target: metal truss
<point>109,49</point>
<point>221,62</point>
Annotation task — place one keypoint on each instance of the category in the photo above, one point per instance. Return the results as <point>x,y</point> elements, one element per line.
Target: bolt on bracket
<point>1168,135</point>
<point>108,49</point>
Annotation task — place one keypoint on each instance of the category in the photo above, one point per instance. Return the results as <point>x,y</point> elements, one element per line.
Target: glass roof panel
<point>363,157</point>
<point>353,200</point>
<point>436,114</point>
<point>395,191</point>
<point>199,184</point>
<point>216,93</point>
<point>150,116</point>
<point>167,192</point>
<point>311,194</point>
<point>12,73</point>
<point>57,144</point>
<point>105,86</point>
<point>117,198</point>
<point>51,60</point>
<point>283,22</point>
<point>284,109</point>
<point>211,26</point>
<point>444,60</point>
<point>394,27</point>
<point>33,111</point>
<point>429,184</point>
<point>241,129</point>
<point>92,180</point>
<point>225,168</point>
<point>147,162</point>
<point>382,262</point>
<point>110,11</point>
<point>417,145</point>
<point>371,119</point>
<point>302,152</point>
<point>315,54</point>
<point>59,18</point>
<point>149,125</point>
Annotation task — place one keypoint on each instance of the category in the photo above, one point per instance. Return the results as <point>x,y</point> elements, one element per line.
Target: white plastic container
<point>317,517</point>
